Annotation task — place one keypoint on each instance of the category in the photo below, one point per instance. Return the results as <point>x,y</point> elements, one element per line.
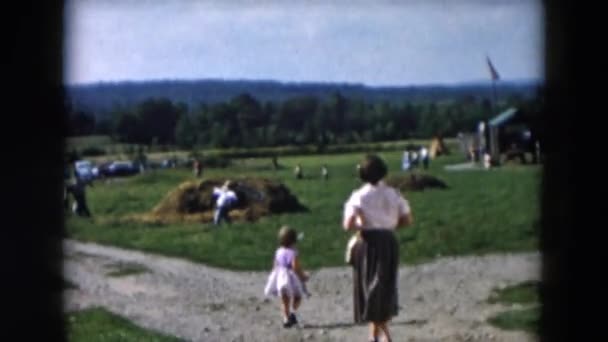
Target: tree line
<point>335,119</point>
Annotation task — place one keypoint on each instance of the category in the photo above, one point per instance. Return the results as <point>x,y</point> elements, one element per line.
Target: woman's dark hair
<point>287,236</point>
<point>372,169</point>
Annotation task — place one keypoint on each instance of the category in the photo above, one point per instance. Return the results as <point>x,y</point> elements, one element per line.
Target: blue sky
<point>377,43</point>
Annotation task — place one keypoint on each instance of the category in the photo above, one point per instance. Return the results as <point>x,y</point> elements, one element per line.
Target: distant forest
<point>254,114</point>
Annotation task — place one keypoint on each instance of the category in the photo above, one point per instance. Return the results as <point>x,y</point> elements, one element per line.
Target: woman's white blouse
<point>381,205</point>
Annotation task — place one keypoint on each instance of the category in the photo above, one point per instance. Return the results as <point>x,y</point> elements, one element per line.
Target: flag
<point>493,71</point>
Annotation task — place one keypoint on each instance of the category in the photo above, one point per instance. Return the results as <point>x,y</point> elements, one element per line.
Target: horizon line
<point>328,83</point>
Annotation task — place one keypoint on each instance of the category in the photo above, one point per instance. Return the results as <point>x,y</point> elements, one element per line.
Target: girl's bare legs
<point>296,302</point>
<point>285,304</point>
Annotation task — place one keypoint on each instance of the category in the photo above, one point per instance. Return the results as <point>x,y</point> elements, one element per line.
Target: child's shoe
<point>293,319</point>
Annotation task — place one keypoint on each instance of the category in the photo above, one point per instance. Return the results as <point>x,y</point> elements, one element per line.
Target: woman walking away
<point>287,277</point>
<point>374,211</point>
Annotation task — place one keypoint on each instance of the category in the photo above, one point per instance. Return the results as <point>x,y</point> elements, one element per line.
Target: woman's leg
<point>384,327</point>
<point>373,331</point>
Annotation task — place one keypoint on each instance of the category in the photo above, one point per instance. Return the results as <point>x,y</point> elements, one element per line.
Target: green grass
<point>520,319</point>
<point>523,319</point>
<point>97,325</point>
<point>483,211</point>
<point>524,293</point>
<point>115,150</point>
<point>122,269</point>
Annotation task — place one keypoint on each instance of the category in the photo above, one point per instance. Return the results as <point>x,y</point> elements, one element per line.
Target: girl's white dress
<point>283,279</point>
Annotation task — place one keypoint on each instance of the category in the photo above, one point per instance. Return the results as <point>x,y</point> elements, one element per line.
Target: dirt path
<point>441,301</point>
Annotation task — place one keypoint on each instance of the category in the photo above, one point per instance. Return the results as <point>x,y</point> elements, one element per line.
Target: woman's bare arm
<point>351,223</point>
<point>405,220</point>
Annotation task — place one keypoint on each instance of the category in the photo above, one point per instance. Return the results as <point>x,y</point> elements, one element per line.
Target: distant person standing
<point>198,168</point>
<point>424,155</point>
<point>225,199</point>
<point>78,190</point>
<point>414,159</point>
<point>324,172</point>
<point>482,141</point>
<point>487,161</point>
<point>405,162</point>
<point>275,162</point>
<point>298,172</point>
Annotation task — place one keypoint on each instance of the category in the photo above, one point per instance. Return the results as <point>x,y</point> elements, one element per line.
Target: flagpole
<point>493,145</point>
<point>495,98</point>
<point>494,149</point>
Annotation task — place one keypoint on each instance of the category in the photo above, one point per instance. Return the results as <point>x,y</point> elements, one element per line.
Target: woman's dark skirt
<point>375,270</point>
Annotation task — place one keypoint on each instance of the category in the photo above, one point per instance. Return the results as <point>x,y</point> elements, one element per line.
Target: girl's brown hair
<point>287,236</point>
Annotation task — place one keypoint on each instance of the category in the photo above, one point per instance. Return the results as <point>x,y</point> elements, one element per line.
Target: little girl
<point>287,278</point>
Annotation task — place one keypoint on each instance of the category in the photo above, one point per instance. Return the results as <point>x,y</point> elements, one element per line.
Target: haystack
<point>415,182</point>
<point>193,201</point>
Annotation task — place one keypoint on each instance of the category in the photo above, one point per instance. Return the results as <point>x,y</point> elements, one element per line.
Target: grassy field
<point>97,325</point>
<point>519,319</point>
<point>522,294</point>
<point>483,211</point>
<point>89,141</point>
<point>522,319</point>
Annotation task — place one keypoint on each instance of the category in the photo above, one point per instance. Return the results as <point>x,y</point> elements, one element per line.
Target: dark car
<point>118,168</point>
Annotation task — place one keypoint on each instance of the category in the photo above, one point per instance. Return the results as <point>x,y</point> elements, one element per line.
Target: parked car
<point>121,168</point>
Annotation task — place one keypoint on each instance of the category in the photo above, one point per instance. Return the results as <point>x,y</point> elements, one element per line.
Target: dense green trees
<point>244,121</point>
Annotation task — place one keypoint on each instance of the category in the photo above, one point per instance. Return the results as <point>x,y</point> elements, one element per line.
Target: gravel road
<point>444,300</point>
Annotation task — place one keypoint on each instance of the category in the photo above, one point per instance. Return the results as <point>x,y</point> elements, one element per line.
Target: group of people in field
<point>411,159</point>
<point>371,214</point>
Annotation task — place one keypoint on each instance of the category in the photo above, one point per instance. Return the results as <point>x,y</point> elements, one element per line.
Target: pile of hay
<point>193,201</point>
<point>415,182</point>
